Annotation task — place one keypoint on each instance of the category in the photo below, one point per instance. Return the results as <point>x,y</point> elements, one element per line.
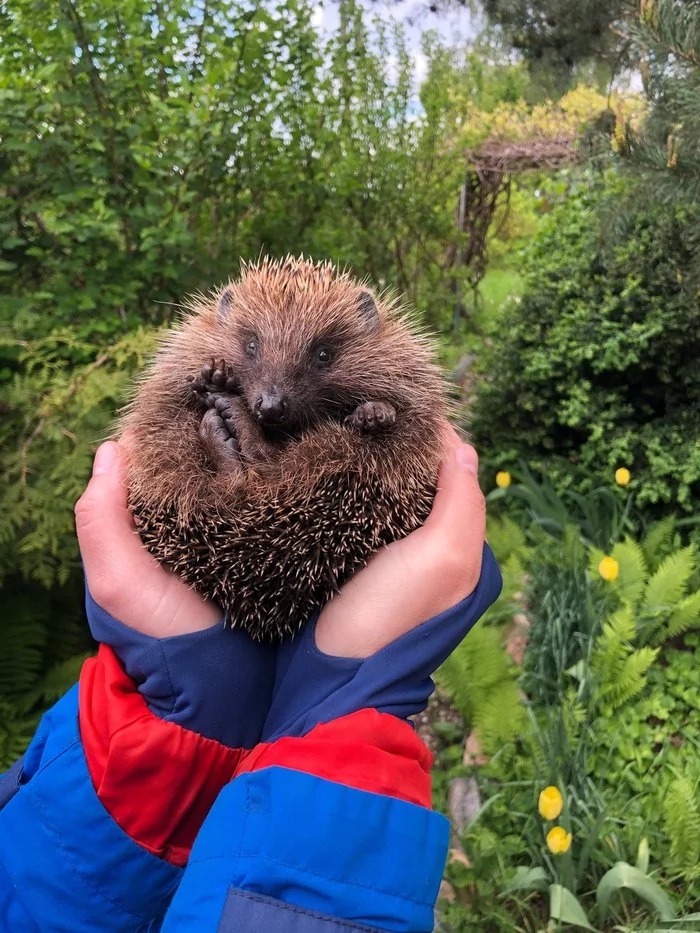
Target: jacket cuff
<point>156,779</point>
<point>352,857</point>
<point>367,750</point>
<point>198,680</point>
<point>9,781</point>
<point>312,688</point>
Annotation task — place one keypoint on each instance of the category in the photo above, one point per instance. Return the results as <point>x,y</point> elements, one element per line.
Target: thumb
<point>455,529</point>
<point>458,515</point>
<point>106,533</point>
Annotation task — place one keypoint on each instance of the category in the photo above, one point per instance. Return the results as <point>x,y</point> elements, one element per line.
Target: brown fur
<point>273,537</point>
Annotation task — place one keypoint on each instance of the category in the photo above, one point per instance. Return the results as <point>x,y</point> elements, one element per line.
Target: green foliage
<point>662,157</point>
<point>639,753</point>
<point>682,822</point>
<point>599,516</point>
<point>656,605</point>
<point>613,723</point>
<point>44,643</point>
<point>558,35</point>
<point>145,150</point>
<point>623,876</point>
<point>617,667</point>
<point>508,544</point>
<point>565,611</point>
<point>597,365</point>
<point>481,681</point>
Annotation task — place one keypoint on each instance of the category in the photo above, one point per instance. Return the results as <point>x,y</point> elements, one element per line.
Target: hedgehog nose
<point>271,408</point>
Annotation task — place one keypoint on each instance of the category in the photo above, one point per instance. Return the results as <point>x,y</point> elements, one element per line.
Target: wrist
<point>166,610</point>
<point>215,681</point>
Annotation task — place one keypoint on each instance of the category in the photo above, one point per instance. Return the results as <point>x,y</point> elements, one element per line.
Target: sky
<point>454,24</point>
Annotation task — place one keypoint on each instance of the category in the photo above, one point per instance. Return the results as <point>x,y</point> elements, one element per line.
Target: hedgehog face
<point>298,362</point>
<point>288,387</point>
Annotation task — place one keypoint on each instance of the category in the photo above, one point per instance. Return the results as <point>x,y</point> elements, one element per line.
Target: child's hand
<point>419,577</point>
<point>122,576</point>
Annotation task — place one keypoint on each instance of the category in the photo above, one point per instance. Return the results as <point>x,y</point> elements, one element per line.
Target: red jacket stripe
<point>156,779</point>
<point>367,750</point>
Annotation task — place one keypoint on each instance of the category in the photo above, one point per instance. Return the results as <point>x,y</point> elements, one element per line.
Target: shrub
<point>597,366</point>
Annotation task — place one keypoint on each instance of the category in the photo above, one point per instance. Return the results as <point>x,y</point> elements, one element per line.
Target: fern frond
<point>57,681</point>
<point>613,645</point>
<point>24,636</point>
<point>481,680</point>
<point>658,541</point>
<point>499,719</point>
<point>684,616</point>
<point>631,678</point>
<point>665,587</point>
<point>506,538</point>
<point>619,669</point>
<point>15,734</point>
<point>633,570</point>
<point>682,823</point>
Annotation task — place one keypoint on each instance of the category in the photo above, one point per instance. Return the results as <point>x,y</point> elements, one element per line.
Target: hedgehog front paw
<point>213,379</point>
<point>372,416</point>
<point>218,434</point>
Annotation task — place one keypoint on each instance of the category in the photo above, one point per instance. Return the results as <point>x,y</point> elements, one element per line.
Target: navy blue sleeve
<point>312,687</point>
<point>9,782</point>
<point>216,682</point>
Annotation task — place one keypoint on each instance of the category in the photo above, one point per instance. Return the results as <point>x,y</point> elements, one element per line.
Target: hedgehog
<point>288,427</point>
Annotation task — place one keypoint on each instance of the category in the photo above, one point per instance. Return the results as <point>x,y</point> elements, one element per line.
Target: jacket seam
<point>36,803</point>
<point>317,874</point>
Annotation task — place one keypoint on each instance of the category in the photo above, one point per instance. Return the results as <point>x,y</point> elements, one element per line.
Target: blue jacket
<point>145,803</point>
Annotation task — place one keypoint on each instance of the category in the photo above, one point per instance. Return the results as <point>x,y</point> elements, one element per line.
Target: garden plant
<point>146,149</point>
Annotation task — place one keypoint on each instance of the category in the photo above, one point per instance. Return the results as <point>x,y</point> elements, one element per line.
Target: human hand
<point>123,578</point>
<point>419,577</point>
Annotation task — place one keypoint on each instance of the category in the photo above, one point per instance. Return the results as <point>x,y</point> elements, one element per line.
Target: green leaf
<point>665,588</point>
<point>658,541</point>
<point>643,856</point>
<point>627,877</point>
<point>565,907</point>
<point>686,614</point>
<point>528,879</point>
<point>633,571</point>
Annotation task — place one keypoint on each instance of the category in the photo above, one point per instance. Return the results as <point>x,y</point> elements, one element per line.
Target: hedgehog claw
<point>214,378</point>
<point>218,434</point>
<point>372,416</point>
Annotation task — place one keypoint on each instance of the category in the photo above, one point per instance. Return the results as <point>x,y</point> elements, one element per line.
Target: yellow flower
<point>609,569</point>
<point>558,840</point>
<point>622,476</point>
<point>503,479</point>
<point>551,803</point>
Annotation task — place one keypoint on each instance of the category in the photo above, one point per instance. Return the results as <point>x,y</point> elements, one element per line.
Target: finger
<point>459,511</point>
<point>110,548</point>
<point>451,438</point>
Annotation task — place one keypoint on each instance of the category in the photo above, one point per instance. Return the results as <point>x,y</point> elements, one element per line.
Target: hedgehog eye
<point>323,356</point>
<point>251,347</point>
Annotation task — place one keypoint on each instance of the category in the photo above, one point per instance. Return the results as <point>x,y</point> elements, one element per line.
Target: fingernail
<point>106,459</point>
<point>467,459</point>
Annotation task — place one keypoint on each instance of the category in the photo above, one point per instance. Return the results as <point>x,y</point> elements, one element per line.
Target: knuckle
<point>83,510</point>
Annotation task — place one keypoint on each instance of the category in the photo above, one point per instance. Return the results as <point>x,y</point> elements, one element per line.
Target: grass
<point>502,281</point>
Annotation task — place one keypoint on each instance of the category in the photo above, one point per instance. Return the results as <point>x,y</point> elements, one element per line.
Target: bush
<point>596,367</point>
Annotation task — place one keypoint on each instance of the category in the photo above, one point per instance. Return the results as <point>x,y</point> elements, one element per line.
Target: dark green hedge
<point>598,365</point>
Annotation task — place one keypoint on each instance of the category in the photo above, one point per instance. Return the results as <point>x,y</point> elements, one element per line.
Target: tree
<point>663,154</point>
<point>559,35</point>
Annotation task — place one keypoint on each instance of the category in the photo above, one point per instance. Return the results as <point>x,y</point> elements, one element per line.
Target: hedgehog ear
<point>225,303</point>
<point>368,311</point>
